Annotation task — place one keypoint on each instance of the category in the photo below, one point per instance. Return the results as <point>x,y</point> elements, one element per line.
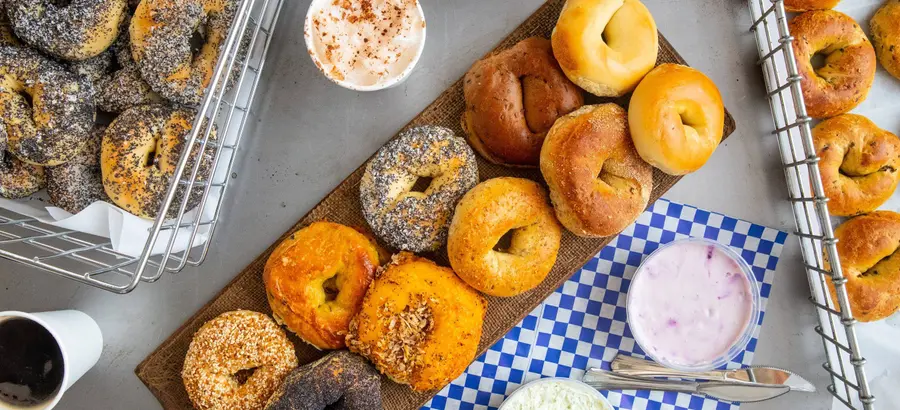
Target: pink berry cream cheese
<point>691,304</point>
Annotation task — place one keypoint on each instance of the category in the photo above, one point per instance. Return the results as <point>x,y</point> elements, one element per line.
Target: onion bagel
<point>846,78</point>
<point>860,163</point>
<point>316,279</point>
<point>869,249</point>
<point>512,99</point>
<point>232,342</point>
<point>161,32</point>
<point>420,324</point>
<point>598,182</point>
<point>605,46</point>
<point>140,151</point>
<point>78,30</point>
<point>676,118</point>
<point>54,126</point>
<point>807,5</point>
<point>885,28</point>
<point>483,216</point>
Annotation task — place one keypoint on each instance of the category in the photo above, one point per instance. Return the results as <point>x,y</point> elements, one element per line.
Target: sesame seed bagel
<point>161,31</point>
<point>409,220</point>
<point>56,124</point>
<point>140,151</point>
<point>78,183</point>
<point>235,341</point>
<point>79,30</point>
<point>19,179</point>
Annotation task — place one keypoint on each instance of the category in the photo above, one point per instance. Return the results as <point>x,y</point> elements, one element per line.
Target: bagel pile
<point>338,287</point>
<point>859,162</point>
<point>96,98</point>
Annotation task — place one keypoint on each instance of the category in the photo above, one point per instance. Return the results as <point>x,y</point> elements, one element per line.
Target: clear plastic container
<point>740,343</point>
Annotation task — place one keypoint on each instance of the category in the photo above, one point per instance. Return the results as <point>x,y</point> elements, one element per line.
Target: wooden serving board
<point>161,371</point>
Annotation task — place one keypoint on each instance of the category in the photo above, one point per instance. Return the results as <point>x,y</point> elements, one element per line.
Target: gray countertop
<point>309,134</point>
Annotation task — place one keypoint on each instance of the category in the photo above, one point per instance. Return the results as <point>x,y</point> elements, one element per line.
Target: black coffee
<point>31,364</point>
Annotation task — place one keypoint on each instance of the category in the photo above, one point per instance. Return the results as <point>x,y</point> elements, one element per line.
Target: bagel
<point>316,279</point>
<point>868,248</point>
<point>806,5</point>
<point>512,99</point>
<point>340,380</point>
<point>483,216</point>
<point>232,342</point>
<point>885,28</point>
<point>410,220</point>
<point>420,324</point>
<point>19,179</point>
<point>78,183</point>
<point>56,124</point>
<point>598,183</point>
<point>161,32</point>
<point>78,30</point>
<point>676,118</point>
<point>140,151</point>
<point>860,163</point>
<point>846,78</point>
<point>605,46</point>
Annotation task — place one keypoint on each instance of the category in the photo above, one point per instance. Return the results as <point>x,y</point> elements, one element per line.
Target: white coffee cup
<point>79,340</point>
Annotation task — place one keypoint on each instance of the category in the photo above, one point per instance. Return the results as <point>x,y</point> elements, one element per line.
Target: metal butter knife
<point>633,366</point>
<point>731,391</point>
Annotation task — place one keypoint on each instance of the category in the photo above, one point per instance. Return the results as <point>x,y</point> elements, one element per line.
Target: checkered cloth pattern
<point>582,324</point>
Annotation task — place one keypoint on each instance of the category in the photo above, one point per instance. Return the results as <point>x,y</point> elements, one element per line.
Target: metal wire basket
<point>844,361</point>
<point>91,259</point>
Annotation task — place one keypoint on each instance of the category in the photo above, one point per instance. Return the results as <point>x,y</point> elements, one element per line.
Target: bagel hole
<point>817,61</point>
<point>197,40</point>
<point>421,184</point>
<point>61,3</point>
<point>150,160</point>
<point>685,121</point>
<point>331,288</point>
<point>505,242</point>
<point>243,375</point>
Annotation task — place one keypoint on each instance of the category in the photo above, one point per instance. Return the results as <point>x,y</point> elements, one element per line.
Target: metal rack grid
<point>844,361</point>
<point>217,129</point>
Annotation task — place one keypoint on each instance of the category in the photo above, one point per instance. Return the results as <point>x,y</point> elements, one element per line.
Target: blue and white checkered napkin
<point>582,324</point>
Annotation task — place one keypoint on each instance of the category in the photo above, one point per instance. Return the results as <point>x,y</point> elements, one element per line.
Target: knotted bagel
<point>869,249</point>
<point>78,30</point>
<point>140,151</point>
<point>605,46</point>
<point>846,78</point>
<point>161,32</point>
<point>54,126</point>
<point>483,216</point>
<point>513,98</point>
<point>860,163</point>
<point>598,182</point>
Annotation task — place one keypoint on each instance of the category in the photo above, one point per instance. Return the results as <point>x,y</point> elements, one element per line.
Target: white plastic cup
<point>79,340</point>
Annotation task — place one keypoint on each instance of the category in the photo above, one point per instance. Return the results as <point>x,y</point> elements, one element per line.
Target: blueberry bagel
<point>78,30</point>
<point>78,183</point>
<point>57,122</point>
<point>402,217</point>
<point>140,151</point>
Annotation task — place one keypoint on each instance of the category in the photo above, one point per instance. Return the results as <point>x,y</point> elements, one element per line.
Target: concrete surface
<point>309,134</point>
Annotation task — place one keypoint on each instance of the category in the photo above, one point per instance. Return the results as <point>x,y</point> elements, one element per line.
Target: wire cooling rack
<point>844,361</point>
<point>91,259</point>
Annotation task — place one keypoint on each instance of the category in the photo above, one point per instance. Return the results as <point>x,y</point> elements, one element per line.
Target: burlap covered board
<point>161,371</point>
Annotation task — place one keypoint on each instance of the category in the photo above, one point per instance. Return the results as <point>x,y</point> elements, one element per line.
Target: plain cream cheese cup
<point>392,82</point>
<point>573,384</point>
